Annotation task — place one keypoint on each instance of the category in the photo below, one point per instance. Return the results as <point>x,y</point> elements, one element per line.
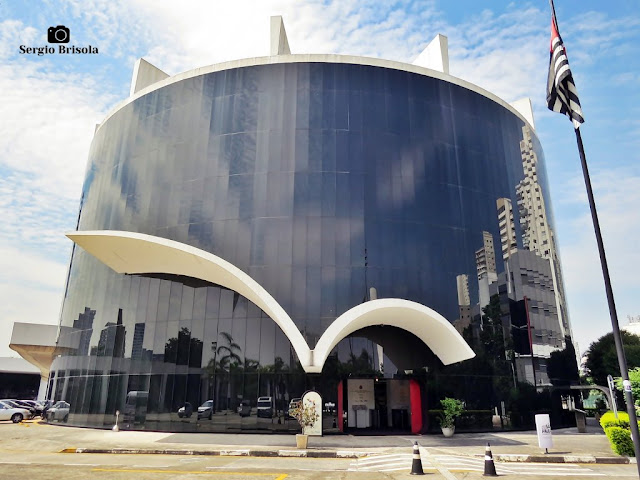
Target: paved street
<point>34,450</point>
<point>45,466</point>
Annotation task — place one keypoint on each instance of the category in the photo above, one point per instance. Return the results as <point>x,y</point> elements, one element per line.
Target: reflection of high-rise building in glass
<point>138,338</point>
<point>486,268</point>
<point>533,313</point>
<point>537,235</point>
<point>464,303</point>
<point>507,227</point>
<point>112,338</point>
<point>462,282</point>
<point>84,325</point>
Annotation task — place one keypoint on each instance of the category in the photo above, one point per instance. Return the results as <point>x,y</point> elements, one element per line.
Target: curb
<point>562,459</point>
<point>224,453</point>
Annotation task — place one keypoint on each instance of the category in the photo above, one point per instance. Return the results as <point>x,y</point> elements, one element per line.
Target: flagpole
<point>622,361</point>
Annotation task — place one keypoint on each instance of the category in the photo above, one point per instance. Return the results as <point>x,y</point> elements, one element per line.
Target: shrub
<point>609,420</point>
<point>451,409</point>
<point>620,439</point>
<point>305,414</point>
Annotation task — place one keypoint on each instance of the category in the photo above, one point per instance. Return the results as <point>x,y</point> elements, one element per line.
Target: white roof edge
<point>315,58</point>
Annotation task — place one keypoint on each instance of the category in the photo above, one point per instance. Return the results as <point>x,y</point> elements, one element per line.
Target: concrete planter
<point>448,431</point>
<point>301,440</point>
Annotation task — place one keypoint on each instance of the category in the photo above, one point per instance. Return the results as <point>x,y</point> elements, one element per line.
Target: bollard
<point>116,428</point>
<point>489,467</point>
<point>416,464</point>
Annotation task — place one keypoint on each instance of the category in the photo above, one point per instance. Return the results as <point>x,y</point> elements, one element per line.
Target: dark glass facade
<point>320,181</point>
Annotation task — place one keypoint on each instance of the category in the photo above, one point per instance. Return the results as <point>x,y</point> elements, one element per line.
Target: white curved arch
<point>132,253</point>
<point>138,253</point>
<point>426,324</point>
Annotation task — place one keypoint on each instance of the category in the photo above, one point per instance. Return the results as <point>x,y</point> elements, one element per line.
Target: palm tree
<point>225,357</point>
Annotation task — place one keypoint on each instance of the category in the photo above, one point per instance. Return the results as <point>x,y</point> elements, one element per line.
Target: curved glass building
<point>252,230</point>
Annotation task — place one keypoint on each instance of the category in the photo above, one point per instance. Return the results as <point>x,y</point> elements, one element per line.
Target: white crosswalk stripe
<point>382,463</point>
<point>397,462</point>
<point>453,462</point>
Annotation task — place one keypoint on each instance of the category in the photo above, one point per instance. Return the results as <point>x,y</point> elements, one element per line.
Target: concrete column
<point>42,390</point>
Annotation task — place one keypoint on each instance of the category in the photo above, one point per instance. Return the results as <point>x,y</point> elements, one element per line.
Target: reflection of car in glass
<point>135,406</point>
<point>185,411</point>
<point>205,410</point>
<point>244,409</point>
<point>15,414</point>
<point>265,407</point>
<point>59,411</point>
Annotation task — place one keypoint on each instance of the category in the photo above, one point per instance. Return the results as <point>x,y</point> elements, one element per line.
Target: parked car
<point>205,410</point>
<point>186,410</point>
<point>15,414</point>
<point>14,404</point>
<point>265,407</point>
<point>59,411</point>
<point>30,405</point>
<point>244,409</point>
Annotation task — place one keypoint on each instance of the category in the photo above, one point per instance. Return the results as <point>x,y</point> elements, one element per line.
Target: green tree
<point>602,359</point>
<point>634,378</point>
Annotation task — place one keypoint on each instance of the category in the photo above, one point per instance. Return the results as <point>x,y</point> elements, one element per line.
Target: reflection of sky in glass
<point>292,172</point>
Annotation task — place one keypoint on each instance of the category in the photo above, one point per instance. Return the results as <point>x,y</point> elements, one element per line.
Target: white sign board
<point>360,397</point>
<point>313,398</point>
<point>543,428</point>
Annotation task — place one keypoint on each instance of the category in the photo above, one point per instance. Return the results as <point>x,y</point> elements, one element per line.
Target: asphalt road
<point>71,466</point>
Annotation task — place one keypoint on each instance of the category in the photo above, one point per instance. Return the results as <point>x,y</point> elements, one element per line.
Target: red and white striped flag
<point>562,96</point>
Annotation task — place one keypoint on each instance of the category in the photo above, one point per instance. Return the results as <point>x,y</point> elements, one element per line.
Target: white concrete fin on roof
<point>138,253</point>
<point>435,56</point>
<point>524,108</point>
<point>279,44</point>
<point>145,74</point>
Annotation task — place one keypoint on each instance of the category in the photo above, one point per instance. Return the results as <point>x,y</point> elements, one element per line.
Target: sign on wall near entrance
<point>361,400</point>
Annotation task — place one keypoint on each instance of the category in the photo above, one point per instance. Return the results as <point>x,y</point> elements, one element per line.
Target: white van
<point>135,407</point>
<point>265,407</point>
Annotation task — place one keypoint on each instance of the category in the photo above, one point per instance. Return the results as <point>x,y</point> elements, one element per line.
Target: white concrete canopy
<point>138,253</point>
<point>426,324</point>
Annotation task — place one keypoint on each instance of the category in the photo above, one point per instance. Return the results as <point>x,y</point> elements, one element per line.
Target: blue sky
<point>51,104</point>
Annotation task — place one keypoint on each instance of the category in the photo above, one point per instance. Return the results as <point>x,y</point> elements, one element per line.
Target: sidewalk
<point>569,446</point>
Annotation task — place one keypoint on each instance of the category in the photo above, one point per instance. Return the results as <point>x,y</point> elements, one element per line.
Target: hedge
<point>609,420</point>
<point>620,439</point>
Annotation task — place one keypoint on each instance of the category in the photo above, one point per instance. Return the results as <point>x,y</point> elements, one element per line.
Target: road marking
<point>281,476</point>
<point>81,464</point>
<point>435,464</point>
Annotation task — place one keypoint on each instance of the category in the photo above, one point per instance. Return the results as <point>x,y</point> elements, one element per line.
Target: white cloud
<point>50,110</point>
<point>31,290</point>
<point>617,194</point>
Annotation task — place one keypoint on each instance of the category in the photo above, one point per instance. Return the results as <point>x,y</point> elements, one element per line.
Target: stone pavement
<point>569,446</point>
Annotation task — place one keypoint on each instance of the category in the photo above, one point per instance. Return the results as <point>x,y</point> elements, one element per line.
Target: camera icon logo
<point>59,34</point>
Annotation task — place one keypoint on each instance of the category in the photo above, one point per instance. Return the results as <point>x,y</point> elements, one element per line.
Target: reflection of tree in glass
<point>184,350</point>
<point>226,357</point>
<point>226,353</point>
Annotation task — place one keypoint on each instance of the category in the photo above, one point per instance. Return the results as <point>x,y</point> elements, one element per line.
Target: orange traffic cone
<point>416,464</point>
<point>489,467</point>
